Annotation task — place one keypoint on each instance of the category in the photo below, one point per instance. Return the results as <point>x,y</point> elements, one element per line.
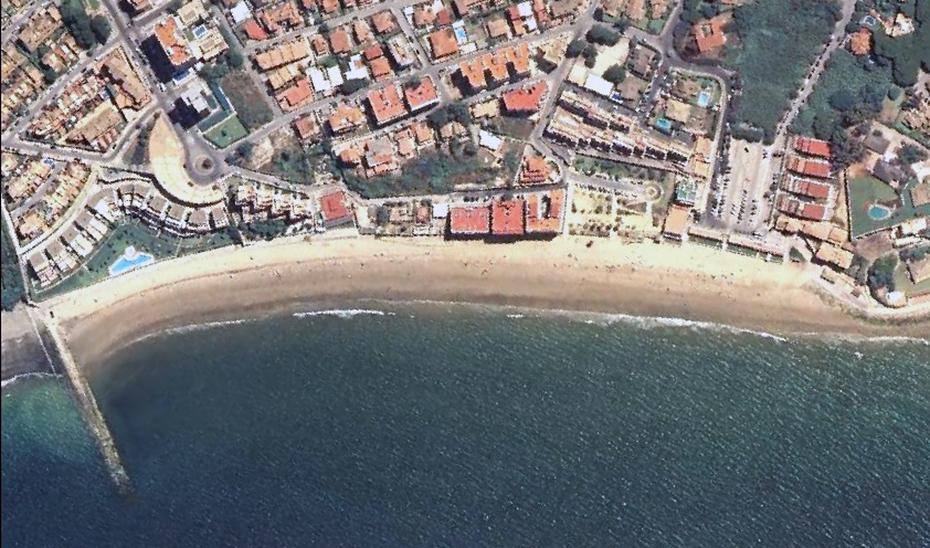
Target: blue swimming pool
<point>664,124</point>
<point>130,260</point>
<point>703,99</point>
<point>879,212</point>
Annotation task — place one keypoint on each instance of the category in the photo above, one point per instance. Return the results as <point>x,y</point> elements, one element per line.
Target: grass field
<point>248,100</point>
<point>132,232</point>
<point>226,132</point>
<point>865,191</point>
<point>843,72</point>
<point>780,40</point>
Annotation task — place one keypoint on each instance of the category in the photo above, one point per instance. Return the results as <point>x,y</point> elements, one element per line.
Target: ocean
<point>450,425</point>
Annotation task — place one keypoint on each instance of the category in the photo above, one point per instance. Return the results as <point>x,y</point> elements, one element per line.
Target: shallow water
<point>437,425</point>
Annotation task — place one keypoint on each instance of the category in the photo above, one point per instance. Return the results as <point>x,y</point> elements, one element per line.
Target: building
<point>469,220</point>
<point>421,95</point>
<point>525,100</point>
<point>544,212</point>
<point>386,104</point>
<point>709,35</point>
<point>804,210</point>
<point>810,168</point>
<point>535,170</point>
<point>345,118</point>
<point>443,43</point>
<point>860,42</point>
<point>507,217</point>
<point>812,147</point>
<point>676,222</point>
<point>333,209</point>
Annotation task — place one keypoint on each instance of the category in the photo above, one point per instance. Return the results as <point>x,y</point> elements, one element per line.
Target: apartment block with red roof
<point>525,100</point>
<point>507,217</point>
<point>804,210</point>
<point>333,209</point>
<point>442,43</point>
<point>386,104</point>
<point>469,220</point>
<point>345,118</point>
<point>544,212</point>
<point>812,147</point>
<point>810,168</point>
<point>422,95</point>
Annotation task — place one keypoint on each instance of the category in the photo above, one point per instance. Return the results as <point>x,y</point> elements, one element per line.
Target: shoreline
<point>690,283</point>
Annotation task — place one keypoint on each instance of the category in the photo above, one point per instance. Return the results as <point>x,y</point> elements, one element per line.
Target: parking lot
<point>740,199</point>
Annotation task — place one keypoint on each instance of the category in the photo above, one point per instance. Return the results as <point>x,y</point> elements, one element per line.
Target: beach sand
<point>647,279</point>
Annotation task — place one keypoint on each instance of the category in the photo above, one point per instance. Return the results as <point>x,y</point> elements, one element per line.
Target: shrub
<point>100,26</point>
<point>615,74</point>
<point>575,48</point>
<point>599,34</point>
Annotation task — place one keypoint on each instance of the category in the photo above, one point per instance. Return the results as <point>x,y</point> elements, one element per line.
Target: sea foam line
<point>343,313</point>
<point>34,374</point>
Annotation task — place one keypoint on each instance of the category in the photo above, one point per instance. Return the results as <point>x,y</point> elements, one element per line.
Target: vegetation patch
<point>866,194</point>
<point>12,281</point>
<point>780,40</point>
<point>247,99</point>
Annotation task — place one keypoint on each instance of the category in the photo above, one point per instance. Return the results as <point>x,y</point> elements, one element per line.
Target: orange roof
<point>422,95</point>
<point>469,220</point>
<point>496,63</point>
<point>423,15</point>
<point>350,156</point>
<point>535,170</point>
<point>361,30</point>
<point>380,67</point>
<point>345,117</point>
<point>373,52</point>
<point>544,213</point>
<point>676,221</point>
<point>809,167</point>
<point>296,95</point>
<point>333,207</point>
<point>329,6</point>
<point>423,132</point>
<point>812,147</point>
<point>320,46</point>
<point>709,35</point>
<point>340,41</point>
<point>525,99</point>
<point>444,17</point>
<point>383,22</point>
<point>172,42</point>
<point>860,43</point>
<point>306,127</point>
<point>443,43</point>
<point>507,217</point>
<point>386,104</point>
<point>285,13</point>
<point>253,30</point>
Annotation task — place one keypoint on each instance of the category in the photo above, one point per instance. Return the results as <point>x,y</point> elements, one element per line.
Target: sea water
<point>445,425</point>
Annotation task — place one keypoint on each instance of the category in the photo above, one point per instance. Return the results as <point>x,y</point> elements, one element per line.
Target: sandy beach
<point>690,282</point>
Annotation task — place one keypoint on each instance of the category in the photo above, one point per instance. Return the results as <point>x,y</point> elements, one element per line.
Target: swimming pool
<point>130,260</point>
<point>879,212</point>
<point>703,99</point>
<point>664,124</point>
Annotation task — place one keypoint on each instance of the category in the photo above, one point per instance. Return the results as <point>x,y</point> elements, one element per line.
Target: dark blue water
<point>455,426</point>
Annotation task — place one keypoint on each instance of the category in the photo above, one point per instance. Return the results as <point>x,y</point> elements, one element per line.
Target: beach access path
<point>648,279</point>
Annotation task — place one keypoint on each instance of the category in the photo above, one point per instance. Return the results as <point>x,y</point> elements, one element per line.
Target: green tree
<point>77,22</point>
<point>100,26</point>
<point>351,86</point>
<point>615,74</point>
<point>575,48</point>
<point>49,75</point>
<point>599,34</point>
<point>881,273</point>
<point>234,58</point>
<point>910,154</point>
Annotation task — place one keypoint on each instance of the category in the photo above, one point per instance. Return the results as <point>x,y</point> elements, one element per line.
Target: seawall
<point>87,404</point>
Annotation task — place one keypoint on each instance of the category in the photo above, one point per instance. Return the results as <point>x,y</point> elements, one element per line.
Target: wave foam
<point>34,374</point>
<point>343,313</point>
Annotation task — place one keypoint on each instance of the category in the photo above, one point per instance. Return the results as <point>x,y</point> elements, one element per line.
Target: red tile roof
<point>253,30</point>
<point>422,95</point>
<point>296,95</point>
<point>810,168</point>
<point>340,41</point>
<point>384,22</point>
<point>507,217</point>
<point>469,219</point>
<point>812,147</point>
<point>544,212</point>
<point>333,207</point>
<point>525,100</point>
<point>709,35</point>
<point>386,104</point>
<point>860,43</point>
<point>443,44</point>
<point>373,52</point>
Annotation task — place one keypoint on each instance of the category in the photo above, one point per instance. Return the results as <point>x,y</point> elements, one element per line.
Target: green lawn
<point>865,191</point>
<point>145,239</point>
<point>226,132</point>
<point>903,282</point>
<point>779,40</point>
<point>843,71</point>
